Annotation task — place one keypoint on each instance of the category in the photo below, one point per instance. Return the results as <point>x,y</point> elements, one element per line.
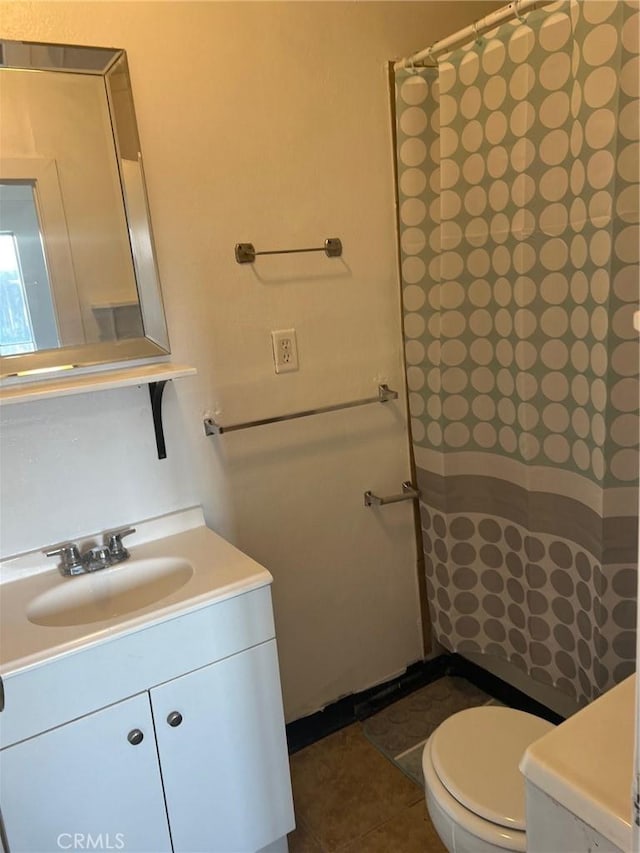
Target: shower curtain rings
<point>517,12</point>
<point>476,33</point>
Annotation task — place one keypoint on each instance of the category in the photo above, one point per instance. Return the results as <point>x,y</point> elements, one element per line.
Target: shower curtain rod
<point>512,10</point>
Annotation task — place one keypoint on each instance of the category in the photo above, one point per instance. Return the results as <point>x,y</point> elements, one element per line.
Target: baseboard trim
<point>360,706</point>
<point>499,689</point>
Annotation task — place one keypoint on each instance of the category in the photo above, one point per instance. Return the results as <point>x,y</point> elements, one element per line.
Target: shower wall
<point>518,190</point>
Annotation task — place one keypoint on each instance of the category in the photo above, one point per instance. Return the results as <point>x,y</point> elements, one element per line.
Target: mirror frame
<point>111,65</point>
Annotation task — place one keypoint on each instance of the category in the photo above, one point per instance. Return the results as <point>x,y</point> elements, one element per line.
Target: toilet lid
<point>476,753</point>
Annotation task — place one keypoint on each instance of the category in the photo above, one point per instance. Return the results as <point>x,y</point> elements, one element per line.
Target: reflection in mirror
<point>27,317</point>
<point>78,277</point>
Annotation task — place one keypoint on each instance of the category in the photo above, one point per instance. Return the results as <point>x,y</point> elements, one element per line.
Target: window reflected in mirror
<point>16,328</point>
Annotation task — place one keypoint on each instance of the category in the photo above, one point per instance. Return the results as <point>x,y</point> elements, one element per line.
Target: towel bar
<point>408,494</point>
<point>384,395</point>
<point>246,253</point>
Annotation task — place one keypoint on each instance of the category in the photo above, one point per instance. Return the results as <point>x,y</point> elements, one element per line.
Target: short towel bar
<point>246,253</point>
<point>408,494</point>
<point>384,395</point>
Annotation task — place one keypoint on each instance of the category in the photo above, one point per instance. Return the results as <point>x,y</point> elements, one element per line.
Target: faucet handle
<point>71,562</point>
<point>114,542</point>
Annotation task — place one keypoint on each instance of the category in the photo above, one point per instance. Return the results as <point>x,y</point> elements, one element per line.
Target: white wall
<point>262,122</point>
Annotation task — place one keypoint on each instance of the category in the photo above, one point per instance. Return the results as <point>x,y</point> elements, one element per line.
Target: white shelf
<point>68,384</point>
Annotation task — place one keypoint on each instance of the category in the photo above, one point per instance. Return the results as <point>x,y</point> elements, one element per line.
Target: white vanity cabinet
<point>225,766</point>
<point>579,779</point>
<point>85,778</point>
<point>210,772</point>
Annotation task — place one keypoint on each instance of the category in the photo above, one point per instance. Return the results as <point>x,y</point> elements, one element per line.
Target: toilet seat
<point>489,784</point>
<point>470,765</point>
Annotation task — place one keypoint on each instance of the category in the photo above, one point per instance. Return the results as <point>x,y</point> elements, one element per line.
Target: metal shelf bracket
<point>156,390</point>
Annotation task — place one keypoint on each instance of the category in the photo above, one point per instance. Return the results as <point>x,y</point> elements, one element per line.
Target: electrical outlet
<point>285,350</point>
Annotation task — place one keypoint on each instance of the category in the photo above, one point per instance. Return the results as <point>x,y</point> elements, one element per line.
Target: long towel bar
<point>384,395</point>
<point>408,494</point>
<point>246,253</point>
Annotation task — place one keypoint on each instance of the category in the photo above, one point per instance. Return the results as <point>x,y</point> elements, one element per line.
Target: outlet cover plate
<point>285,350</point>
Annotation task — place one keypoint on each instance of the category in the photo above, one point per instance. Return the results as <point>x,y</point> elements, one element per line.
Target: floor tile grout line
<point>310,832</point>
<point>374,828</point>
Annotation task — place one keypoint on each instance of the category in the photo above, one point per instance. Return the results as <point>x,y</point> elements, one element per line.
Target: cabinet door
<point>85,786</point>
<point>225,765</point>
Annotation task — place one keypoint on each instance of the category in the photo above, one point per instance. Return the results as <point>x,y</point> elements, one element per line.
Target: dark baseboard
<point>499,689</point>
<point>360,706</point>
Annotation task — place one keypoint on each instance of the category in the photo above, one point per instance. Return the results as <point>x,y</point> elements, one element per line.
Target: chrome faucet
<point>72,562</point>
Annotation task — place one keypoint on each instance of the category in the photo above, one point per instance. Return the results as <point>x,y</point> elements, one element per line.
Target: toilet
<point>474,790</point>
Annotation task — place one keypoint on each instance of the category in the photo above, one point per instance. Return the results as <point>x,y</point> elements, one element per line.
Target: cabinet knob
<point>135,737</point>
<point>175,718</point>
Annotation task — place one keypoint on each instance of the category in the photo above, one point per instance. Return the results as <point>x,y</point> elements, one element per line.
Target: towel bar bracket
<point>385,393</point>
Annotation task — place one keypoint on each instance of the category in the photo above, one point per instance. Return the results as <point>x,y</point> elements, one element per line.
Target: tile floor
<point>349,798</point>
<point>360,790</point>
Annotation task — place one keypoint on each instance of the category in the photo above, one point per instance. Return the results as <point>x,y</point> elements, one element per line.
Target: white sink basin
<point>110,592</point>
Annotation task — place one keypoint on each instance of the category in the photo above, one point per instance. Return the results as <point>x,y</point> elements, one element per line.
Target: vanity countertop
<point>586,763</point>
<point>221,572</point>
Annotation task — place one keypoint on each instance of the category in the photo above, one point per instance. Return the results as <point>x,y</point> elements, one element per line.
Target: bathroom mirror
<point>78,276</point>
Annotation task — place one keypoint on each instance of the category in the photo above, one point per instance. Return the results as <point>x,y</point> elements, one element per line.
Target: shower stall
<point>517,181</point>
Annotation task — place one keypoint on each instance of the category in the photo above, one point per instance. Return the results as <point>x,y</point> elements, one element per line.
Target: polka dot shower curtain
<point>518,210</point>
